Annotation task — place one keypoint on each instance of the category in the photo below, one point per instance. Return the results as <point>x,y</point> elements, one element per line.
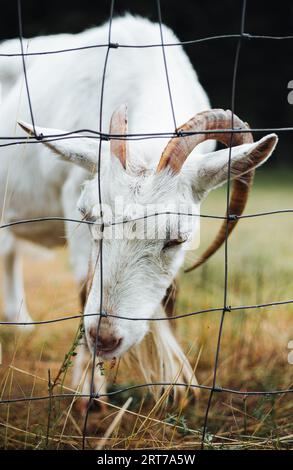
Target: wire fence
<point>102,135</point>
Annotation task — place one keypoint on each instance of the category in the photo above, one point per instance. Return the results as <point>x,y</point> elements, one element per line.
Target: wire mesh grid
<point>102,135</point>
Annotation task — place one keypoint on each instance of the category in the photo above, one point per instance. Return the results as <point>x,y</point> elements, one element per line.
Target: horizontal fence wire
<point>155,214</point>
<point>21,140</point>
<point>229,308</point>
<point>100,135</point>
<point>150,384</point>
<point>116,45</point>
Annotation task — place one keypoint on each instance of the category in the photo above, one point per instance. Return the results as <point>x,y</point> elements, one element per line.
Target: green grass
<point>253,356</point>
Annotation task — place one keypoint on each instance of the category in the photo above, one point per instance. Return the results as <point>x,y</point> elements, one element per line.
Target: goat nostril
<point>108,343</point>
<point>93,334</point>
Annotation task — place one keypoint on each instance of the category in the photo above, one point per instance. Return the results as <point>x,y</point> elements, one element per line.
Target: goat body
<point>65,93</point>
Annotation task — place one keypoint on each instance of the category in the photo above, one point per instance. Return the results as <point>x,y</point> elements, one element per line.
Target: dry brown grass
<point>254,348</point>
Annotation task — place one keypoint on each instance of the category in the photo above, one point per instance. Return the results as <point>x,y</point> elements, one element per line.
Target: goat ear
<point>211,169</point>
<point>79,150</point>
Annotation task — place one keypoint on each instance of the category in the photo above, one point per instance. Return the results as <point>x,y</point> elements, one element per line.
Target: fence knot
<point>104,137</point>
<point>113,45</point>
<point>232,217</point>
<point>227,308</point>
<point>179,133</point>
<point>246,35</point>
<point>39,136</point>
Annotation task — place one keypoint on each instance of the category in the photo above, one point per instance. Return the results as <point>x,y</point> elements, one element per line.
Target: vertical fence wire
<point>93,371</point>
<point>226,251</point>
<point>158,2</point>
<point>20,32</point>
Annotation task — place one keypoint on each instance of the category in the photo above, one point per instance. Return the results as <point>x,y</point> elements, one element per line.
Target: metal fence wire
<point>102,135</point>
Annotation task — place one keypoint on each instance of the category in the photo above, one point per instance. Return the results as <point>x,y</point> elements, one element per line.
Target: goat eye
<point>86,215</point>
<point>83,211</point>
<point>173,243</point>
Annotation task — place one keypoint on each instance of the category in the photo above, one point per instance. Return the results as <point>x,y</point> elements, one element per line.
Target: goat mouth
<point>107,355</point>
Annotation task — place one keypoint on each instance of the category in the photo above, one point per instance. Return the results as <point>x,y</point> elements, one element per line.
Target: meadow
<point>253,355</point>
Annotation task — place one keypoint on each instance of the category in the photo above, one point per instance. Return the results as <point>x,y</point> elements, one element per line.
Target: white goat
<point>137,270</point>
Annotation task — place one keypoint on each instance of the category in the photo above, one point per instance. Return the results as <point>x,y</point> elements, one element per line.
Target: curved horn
<point>178,149</point>
<point>118,125</point>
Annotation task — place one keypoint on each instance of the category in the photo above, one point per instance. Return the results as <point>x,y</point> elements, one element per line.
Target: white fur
<point>65,92</point>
